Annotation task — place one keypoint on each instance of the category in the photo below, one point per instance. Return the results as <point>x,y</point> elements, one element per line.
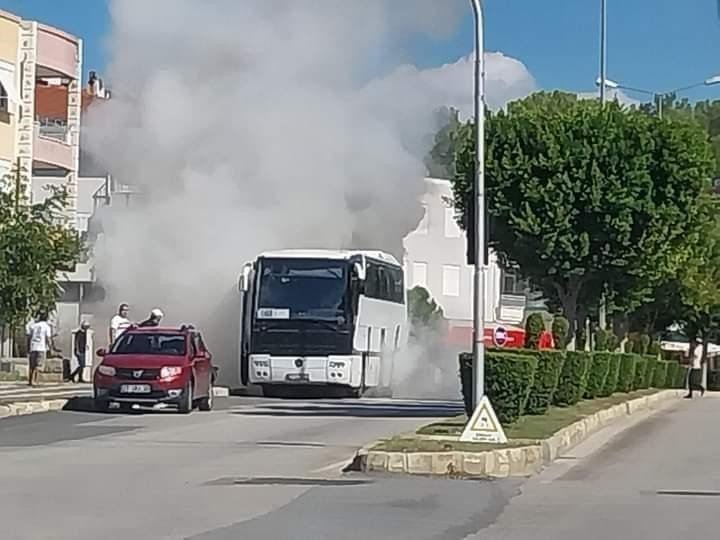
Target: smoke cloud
<point>258,125</point>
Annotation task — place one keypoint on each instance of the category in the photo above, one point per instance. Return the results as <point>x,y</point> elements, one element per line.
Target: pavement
<point>13,392</point>
<point>259,468</point>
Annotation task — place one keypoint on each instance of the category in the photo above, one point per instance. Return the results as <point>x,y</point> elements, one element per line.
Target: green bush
<point>560,332</point>
<point>644,343</point>
<point>640,369</point>
<point>626,380</point>
<point>547,375</point>
<point>534,326</point>
<point>573,378</point>
<point>598,374</point>
<point>660,374</point>
<point>682,375</point>
<point>672,374</point>
<point>613,343</point>
<point>652,362</point>
<point>714,380</point>
<point>508,380</point>
<point>611,382</point>
<point>602,340</point>
<point>654,348</point>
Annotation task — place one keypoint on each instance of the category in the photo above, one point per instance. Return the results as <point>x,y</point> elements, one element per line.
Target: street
<point>262,468</point>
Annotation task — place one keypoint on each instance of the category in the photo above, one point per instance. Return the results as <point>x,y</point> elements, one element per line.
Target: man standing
<point>695,373</point>
<point>40,344</point>
<point>81,349</point>
<point>154,319</point>
<point>119,323</point>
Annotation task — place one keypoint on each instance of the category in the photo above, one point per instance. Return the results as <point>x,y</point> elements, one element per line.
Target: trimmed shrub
<point>660,374</point>
<point>611,382</point>
<point>626,380</point>
<point>644,343</point>
<point>654,348</point>
<point>682,377</point>
<point>534,326</point>
<point>597,375</point>
<point>602,340</point>
<point>560,332</point>
<point>613,343</point>
<point>652,362</point>
<point>508,380</point>
<point>573,378</point>
<point>547,375</point>
<point>714,380</point>
<point>640,369</point>
<point>672,374</point>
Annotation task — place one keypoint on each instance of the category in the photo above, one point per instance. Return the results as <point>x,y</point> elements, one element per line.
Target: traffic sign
<point>483,426</point>
<point>500,336</point>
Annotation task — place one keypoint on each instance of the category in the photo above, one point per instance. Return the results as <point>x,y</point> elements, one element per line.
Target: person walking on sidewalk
<point>40,344</point>
<point>695,372</point>
<point>81,349</point>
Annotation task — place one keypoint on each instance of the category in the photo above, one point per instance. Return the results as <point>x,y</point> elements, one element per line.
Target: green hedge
<point>597,375</point>
<point>681,381</point>
<point>660,374</point>
<point>714,380</point>
<point>650,370</point>
<point>547,375</point>
<point>573,378</point>
<point>508,380</point>
<point>640,369</point>
<point>672,374</point>
<point>611,382</point>
<point>626,380</point>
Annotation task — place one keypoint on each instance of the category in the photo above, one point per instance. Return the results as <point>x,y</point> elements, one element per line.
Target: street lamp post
<point>658,97</point>
<point>603,49</point>
<point>479,194</point>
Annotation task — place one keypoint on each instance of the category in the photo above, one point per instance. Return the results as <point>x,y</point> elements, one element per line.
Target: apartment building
<point>435,258</point>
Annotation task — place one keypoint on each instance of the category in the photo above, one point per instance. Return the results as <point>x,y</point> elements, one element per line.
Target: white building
<point>435,258</point>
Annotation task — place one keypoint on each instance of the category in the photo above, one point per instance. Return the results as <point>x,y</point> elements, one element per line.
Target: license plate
<point>135,389</point>
<point>298,377</point>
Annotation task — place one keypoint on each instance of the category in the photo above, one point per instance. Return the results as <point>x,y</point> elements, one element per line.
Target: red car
<point>148,366</point>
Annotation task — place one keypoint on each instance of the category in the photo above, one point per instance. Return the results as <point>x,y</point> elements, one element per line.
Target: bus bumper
<point>337,370</point>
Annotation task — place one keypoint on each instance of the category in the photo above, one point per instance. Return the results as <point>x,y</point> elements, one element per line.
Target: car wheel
<point>186,402</point>
<point>206,403</point>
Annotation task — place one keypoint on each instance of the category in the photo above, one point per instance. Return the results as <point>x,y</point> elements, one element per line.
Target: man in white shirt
<point>40,334</point>
<point>119,323</point>
<point>695,373</point>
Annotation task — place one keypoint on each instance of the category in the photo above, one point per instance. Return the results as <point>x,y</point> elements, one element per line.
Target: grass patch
<point>536,427</point>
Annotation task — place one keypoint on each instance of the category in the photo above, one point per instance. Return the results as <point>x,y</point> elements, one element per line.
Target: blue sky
<point>669,45</point>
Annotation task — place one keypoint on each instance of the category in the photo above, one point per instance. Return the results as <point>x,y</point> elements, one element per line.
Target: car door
<point>201,362</point>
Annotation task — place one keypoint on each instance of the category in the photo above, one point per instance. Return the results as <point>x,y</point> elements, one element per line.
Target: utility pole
<point>602,312</point>
<point>479,225</point>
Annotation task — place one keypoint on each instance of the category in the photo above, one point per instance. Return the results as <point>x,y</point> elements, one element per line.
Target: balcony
<point>51,148</point>
<point>57,53</point>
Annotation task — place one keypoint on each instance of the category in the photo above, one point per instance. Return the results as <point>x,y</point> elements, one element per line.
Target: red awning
<point>461,336</point>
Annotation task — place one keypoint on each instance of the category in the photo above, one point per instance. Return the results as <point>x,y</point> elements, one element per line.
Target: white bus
<point>333,319</point>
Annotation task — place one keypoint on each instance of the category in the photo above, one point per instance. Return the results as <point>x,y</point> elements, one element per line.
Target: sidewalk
<point>14,392</point>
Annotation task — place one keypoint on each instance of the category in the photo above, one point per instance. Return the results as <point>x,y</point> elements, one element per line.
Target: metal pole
<point>603,49</point>
<point>602,312</point>
<point>479,275</point>
<point>660,98</point>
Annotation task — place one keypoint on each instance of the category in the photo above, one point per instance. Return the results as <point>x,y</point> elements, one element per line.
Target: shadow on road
<point>426,409</point>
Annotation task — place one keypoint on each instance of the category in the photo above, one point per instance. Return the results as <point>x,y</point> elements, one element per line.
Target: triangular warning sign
<point>483,426</point>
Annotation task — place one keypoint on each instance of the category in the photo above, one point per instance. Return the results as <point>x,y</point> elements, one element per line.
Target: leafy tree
<point>440,162</point>
<point>36,243</point>
<point>424,312</point>
<point>584,197</point>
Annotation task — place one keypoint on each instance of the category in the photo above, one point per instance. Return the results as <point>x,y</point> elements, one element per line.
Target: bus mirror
<point>359,271</point>
<point>244,281</point>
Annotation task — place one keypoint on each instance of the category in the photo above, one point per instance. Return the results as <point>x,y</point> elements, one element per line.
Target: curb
<point>523,461</point>
<point>23,408</point>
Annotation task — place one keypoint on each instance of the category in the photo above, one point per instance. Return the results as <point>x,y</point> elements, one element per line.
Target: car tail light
<point>169,372</point>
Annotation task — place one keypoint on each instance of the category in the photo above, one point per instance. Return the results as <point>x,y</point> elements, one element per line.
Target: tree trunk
<point>568,296</point>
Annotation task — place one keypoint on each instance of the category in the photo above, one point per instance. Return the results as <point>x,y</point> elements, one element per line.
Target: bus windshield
<point>312,289</point>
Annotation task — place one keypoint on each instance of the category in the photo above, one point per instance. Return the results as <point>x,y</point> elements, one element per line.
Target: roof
<point>328,254</point>
<point>161,329</point>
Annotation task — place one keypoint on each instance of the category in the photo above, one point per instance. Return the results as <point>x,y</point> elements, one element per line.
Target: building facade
<point>436,259</point>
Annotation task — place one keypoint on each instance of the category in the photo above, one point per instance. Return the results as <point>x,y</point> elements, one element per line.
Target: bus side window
<point>372,281</point>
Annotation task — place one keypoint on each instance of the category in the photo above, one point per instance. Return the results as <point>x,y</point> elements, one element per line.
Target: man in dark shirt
<point>80,345</point>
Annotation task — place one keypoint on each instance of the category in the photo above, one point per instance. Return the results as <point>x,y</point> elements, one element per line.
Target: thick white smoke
<point>256,124</point>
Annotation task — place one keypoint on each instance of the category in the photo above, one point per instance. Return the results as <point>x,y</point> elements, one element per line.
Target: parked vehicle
<point>148,366</point>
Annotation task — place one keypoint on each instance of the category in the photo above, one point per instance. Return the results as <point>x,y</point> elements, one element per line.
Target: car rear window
<point>150,343</point>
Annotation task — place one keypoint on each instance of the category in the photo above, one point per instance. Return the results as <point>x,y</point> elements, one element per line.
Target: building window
<point>419,274</point>
<point>451,280</point>
<point>512,283</point>
<point>422,227</point>
<point>452,230</point>
<point>4,100</point>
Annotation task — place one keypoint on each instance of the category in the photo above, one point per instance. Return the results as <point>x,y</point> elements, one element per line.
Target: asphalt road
<point>271,470</point>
